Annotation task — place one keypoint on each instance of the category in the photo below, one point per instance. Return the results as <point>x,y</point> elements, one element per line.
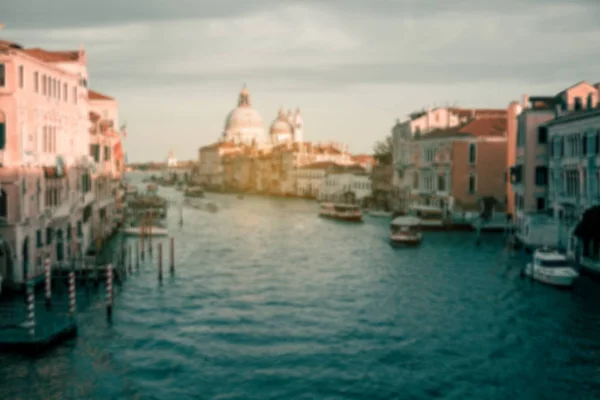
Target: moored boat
<point>406,231</point>
<point>342,212</point>
<point>552,268</point>
<point>153,230</point>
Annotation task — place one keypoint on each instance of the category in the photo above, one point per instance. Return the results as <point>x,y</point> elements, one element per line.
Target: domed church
<point>287,127</point>
<point>243,124</point>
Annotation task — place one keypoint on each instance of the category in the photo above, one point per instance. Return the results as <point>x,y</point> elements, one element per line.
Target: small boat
<point>406,231</point>
<point>342,212</point>
<point>380,213</point>
<point>212,207</point>
<point>196,192</point>
<point>552,268</point>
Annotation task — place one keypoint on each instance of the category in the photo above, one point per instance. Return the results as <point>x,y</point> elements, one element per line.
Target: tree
<point>383,150</point>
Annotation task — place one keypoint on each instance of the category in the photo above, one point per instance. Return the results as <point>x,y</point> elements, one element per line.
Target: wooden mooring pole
<point>172,255</point>
<point>160,270</point>
<point>130,258</point>
<point>137,256</point>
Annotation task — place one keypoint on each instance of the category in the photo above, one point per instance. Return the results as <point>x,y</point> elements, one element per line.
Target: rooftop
<point>476,127</point>
<point>53,56</point>
<point>93,95</point>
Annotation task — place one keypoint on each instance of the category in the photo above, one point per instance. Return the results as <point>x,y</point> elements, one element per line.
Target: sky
<point>353,67</point>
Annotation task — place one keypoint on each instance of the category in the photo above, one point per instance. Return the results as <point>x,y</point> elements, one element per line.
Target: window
<point>584,144</point>
<point>472,153</point>
<point>415,180</point>
<point>578,104</point>
<point>2,75</point>
<point>58,91</point>
<point>542,135</point>
<point>21,77</point>
<point>541,203</point>
<point>36,83</point>
<point>472,183</point>
<point>44,84</point>
<point>2,131</point>
<point>441,183</point>
<point>106,153</point>
<point>65,90</point>
<point>598,142</point>
<point>74,94</point>
<point>39,239</point>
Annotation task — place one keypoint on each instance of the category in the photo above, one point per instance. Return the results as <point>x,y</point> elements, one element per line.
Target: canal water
<point>270,302</point>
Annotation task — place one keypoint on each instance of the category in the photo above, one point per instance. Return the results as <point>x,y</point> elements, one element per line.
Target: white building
<point>343,181</point>
<point>574,162</point>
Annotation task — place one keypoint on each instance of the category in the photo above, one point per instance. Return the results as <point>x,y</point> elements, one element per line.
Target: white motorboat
<point>552,268</point>
<point>380,213</point>
<point>406,231</point>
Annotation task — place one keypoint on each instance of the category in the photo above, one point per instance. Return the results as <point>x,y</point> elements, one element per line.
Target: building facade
<point>45,169</point>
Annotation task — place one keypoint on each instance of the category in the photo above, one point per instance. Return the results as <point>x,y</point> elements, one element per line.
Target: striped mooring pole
<point>109,291</point>
<point>72,294</point>
<point>160,269</point>
<point>172,255</point>
<point>31,307</point>
<point>48,273</point>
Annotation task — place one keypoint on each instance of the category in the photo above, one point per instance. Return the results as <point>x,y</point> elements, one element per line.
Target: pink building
<point>45,172</point>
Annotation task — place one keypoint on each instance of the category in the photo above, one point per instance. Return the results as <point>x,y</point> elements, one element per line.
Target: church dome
<point>281,125</point>
<point>243,123</point>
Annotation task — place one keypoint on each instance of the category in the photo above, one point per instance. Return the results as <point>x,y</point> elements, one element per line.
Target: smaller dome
<point>282,125</point>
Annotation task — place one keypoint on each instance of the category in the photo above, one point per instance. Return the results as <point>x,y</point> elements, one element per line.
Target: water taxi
<point>406,231</point>
<point>342,212</point>
<point>432,218</point>
<point>552,268</point>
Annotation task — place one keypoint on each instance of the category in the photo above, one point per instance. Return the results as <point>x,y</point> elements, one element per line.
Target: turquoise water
<point>269,301</point>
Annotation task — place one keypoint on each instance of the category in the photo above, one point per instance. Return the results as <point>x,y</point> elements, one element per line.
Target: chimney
<point>525,101</point>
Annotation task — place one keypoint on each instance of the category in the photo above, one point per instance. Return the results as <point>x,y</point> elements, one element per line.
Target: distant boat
<point>342,212</point>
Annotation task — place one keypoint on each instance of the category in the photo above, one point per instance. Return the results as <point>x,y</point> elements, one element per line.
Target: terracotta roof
<point>363,158</point>
<point>479,127</point>
<point>52,56</point>
<point>93,95</point>
<point>320,165</point>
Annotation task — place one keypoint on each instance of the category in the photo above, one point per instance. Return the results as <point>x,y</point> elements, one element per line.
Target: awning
<point>588,226</point>
<point>54,173</point>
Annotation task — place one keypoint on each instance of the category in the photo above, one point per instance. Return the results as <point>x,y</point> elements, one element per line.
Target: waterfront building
<point>421,123</point>
<point>107,166</point>
<point>176,171</point>
<point>529,171</point>
<point>43,155</point>
<point>574,158</point>
<point>452,169</point>
<point>346,183</point>
<point>309,178</point>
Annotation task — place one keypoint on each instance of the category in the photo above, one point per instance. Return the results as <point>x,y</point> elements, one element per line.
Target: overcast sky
<point>352,66</point>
